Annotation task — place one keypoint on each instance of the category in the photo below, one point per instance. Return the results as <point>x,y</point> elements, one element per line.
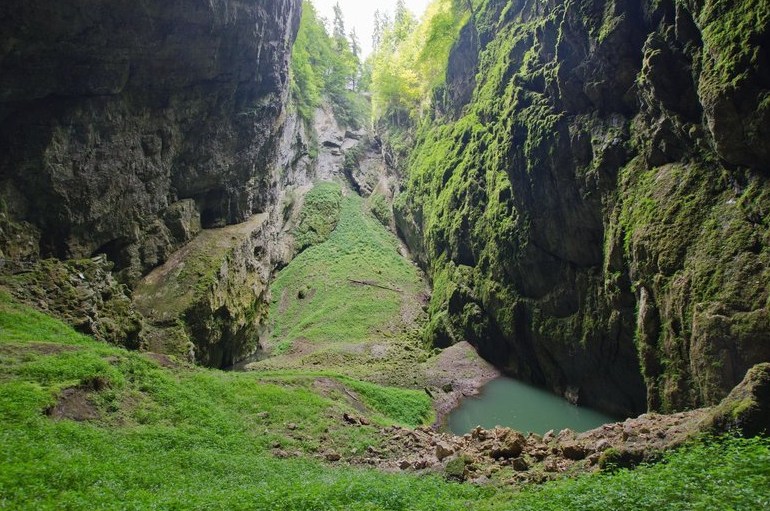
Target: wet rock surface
<point>599,217</point>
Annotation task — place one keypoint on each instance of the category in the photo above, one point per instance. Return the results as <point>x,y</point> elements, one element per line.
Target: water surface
<point>517,405</point>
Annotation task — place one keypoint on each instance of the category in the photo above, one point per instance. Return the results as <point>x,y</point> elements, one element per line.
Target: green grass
<point>314,298</point>
<point>319,216</point>
<point>196,439</point>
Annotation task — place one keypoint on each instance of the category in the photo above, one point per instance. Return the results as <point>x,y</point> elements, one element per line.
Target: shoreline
<point>461,370</point>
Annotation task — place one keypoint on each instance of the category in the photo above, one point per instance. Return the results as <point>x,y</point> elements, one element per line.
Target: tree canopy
<point>410,56</point>
<point>326,65</point>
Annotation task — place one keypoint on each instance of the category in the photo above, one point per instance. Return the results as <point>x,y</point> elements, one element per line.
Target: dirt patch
<point>456,373</point>
<point>284,303</point>
<point>301,347</point>
<point>74,404</point>
<point>379,350</point>
<point>163,360</point>
<point>327,386</point>
<point>41,348</point>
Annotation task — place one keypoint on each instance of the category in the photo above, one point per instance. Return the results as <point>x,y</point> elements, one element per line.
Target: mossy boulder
<point>747,408</point>
<point>82,293</point>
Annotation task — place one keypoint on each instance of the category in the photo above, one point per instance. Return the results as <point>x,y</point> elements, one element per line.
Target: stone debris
<point>502,454</point>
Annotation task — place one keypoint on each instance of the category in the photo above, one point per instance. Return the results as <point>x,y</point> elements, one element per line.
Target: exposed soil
<point>328,386</point>
<point>163,360</point>
<point>456,373</point>
<point>41,348</point>
<point>74,404</point>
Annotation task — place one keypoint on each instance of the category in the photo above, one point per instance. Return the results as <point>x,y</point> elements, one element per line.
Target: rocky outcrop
<point>594,219</point>
<point>503,455</point>
<point>209,301</point>
<point>746,409</point>
<point>319,150</point>
<point>123,124</point>
<point>82,293</point>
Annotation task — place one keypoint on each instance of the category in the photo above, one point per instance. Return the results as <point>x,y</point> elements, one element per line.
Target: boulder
<point>509,445</point>
<point>747,408</point>
<point>443,450</point>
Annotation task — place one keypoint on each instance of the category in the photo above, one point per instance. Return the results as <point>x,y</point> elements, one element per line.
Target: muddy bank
<point>456,373</point>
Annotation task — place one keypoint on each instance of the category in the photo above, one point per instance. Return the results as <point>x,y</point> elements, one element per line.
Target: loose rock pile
<point>502,455</point>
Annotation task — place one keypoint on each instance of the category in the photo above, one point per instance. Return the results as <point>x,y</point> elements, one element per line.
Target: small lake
<point>517,405</point>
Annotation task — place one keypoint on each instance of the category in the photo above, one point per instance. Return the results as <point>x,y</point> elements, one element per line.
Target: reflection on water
<point>517,405</point>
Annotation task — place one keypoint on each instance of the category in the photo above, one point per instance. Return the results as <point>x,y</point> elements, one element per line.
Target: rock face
<point>125,124</point>
<point>747,408</point>
<point>594,219</point>
<point>83,293</point>
<point>137,132</point>
<point>208,302</point>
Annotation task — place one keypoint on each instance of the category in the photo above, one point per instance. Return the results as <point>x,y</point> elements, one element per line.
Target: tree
<point>325,66</point>
<point>338,32</point>
<point>355,45</point>
<point>412,57</point>
<point>377,32</point>
<point>404,22</point>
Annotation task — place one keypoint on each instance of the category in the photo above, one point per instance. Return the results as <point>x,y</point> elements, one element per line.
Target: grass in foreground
<point>192,439</point>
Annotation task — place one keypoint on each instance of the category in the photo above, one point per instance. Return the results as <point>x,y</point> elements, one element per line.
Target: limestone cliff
<point>113,114</point>
<point>209,300</point>
<point>129,130</point>
<point>594,215</point>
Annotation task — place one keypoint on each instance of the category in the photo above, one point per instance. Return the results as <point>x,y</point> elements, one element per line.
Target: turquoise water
<point>517,405</point>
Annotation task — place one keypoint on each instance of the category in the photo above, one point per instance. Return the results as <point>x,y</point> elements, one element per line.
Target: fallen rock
<point>519,464</point>
<point>443,450</point>
<point>511,444</point>
<point>479,433</point>
<point>332,456</point>
<point>573,451</point>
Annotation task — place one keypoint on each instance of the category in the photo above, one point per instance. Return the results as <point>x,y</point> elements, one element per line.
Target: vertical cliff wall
<point>595,214</point>
<point>125,126</point>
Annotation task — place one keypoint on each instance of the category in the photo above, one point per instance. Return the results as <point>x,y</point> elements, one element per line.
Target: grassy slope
<point>360,249</point>
<point>187,438</point>
<point>321,319</point>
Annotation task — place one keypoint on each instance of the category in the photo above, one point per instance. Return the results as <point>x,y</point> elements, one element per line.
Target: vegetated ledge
<point>208,301</point>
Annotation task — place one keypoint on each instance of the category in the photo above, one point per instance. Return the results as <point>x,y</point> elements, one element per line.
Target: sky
<point>360,14</point>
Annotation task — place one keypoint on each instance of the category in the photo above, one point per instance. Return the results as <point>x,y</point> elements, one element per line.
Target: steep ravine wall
<point>112,113</point>
<point>210,298</point>
<point>595,218</point>
<point>128,130</point>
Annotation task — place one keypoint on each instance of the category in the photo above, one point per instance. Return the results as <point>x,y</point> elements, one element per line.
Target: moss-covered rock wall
<point>595,218</point>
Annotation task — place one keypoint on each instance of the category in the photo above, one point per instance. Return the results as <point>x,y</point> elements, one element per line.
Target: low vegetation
<point>353,287</point>
<point>168,436</point>
<point>319,215</point>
